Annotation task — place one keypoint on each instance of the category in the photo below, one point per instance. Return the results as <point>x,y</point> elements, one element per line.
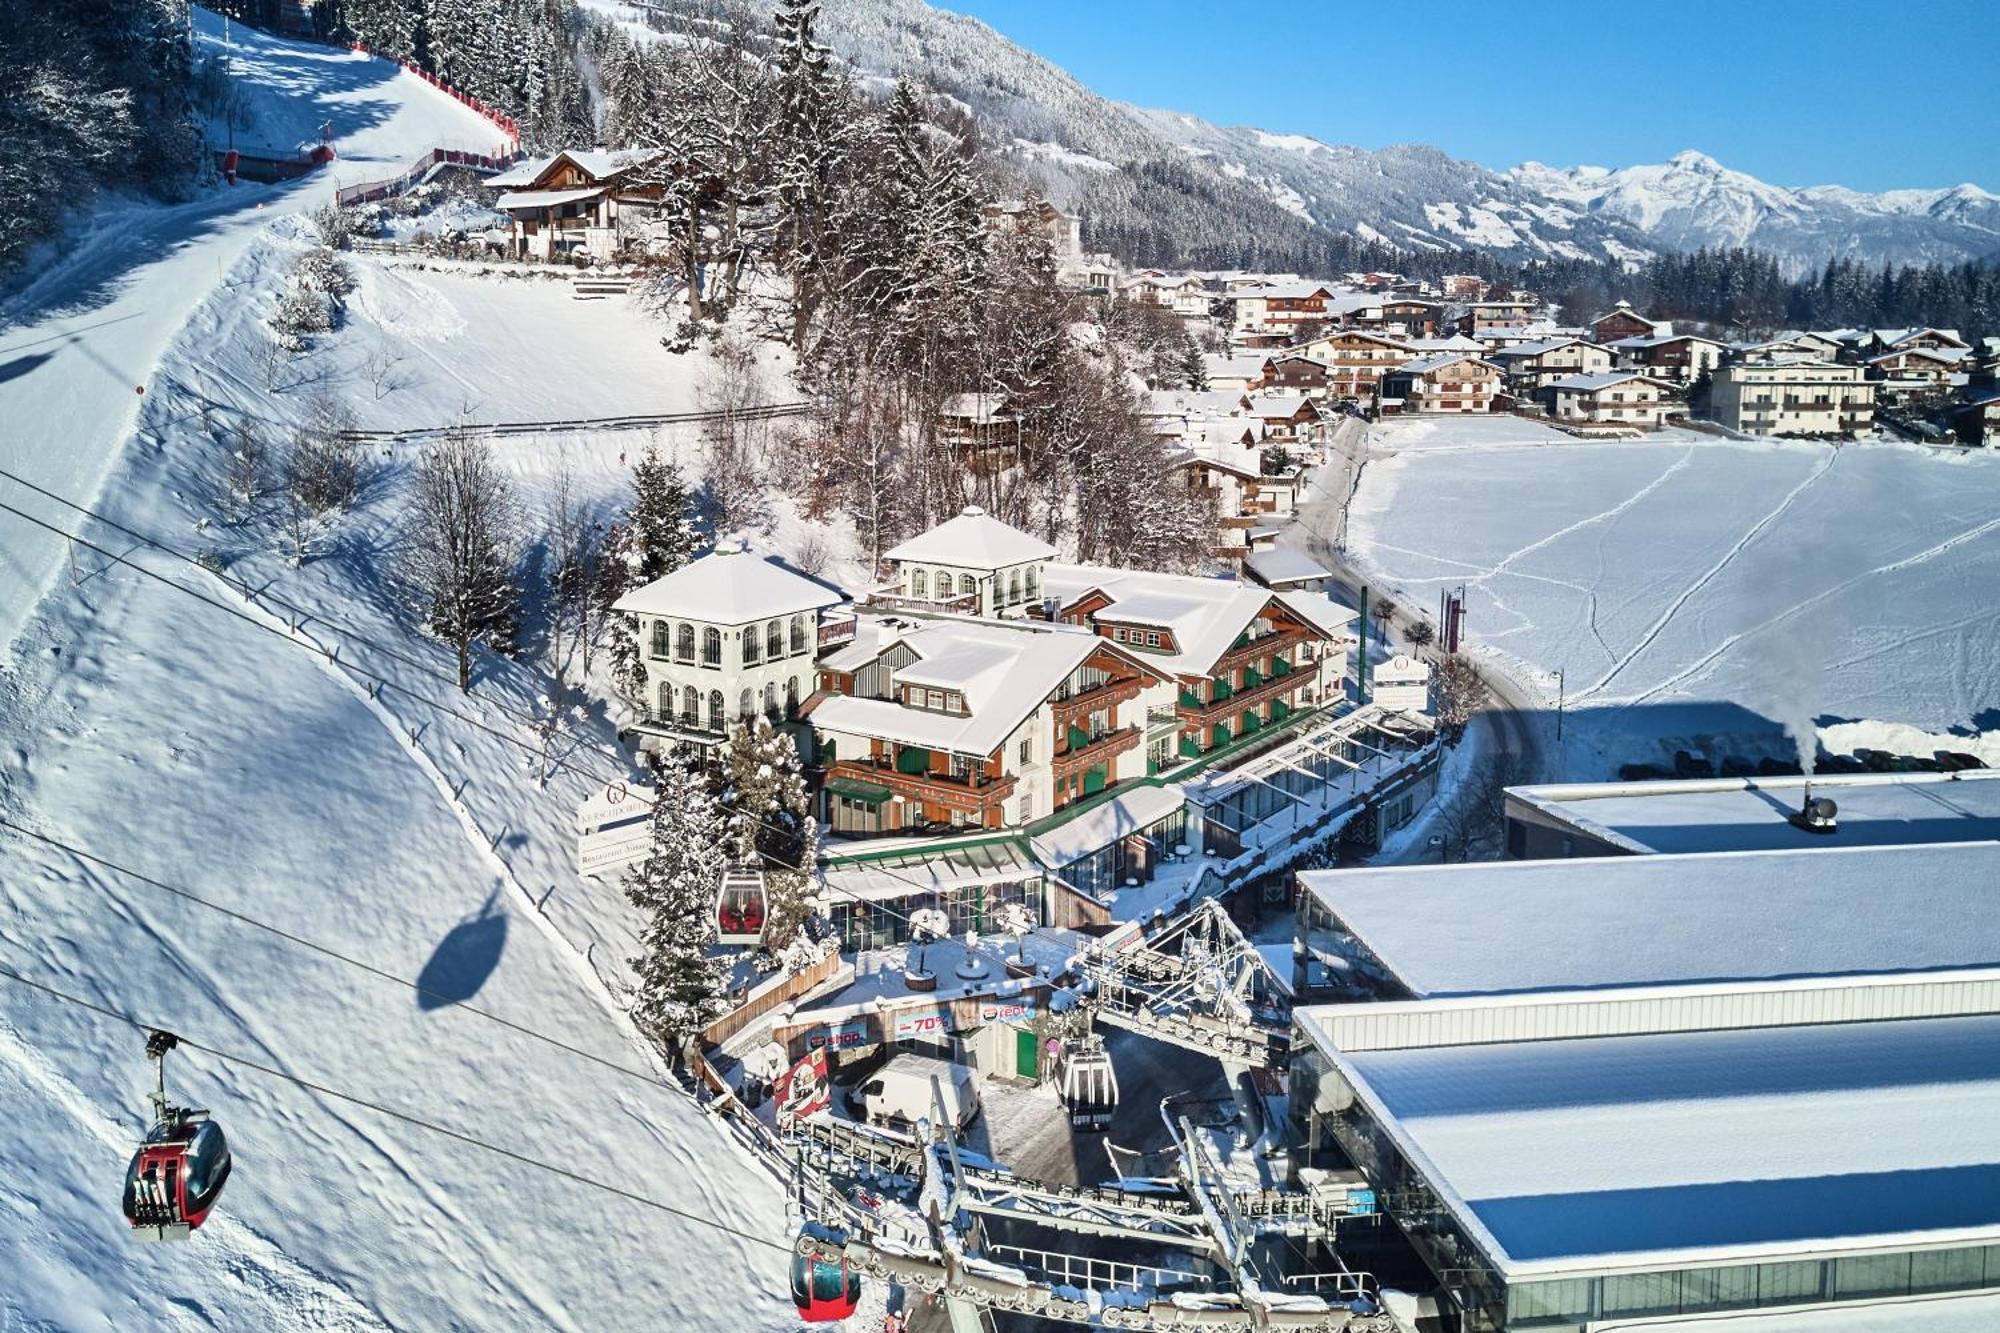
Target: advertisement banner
<point>1008,1009</point>
<point>934,1021</point>
<point>803,1090</point>
<point>839,1037</point>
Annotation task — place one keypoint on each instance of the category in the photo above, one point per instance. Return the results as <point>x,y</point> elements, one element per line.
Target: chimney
<point>1816,815</point>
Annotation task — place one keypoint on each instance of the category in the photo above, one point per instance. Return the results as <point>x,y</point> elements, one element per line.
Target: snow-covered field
<point>214,753</point>
<point>1698,592</point>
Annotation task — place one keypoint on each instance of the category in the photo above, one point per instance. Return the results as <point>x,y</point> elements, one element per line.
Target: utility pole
<point>1361,667</point>
<point>1560,690</point>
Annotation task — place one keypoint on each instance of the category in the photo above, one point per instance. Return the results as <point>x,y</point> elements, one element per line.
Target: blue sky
<point>1872,94</point>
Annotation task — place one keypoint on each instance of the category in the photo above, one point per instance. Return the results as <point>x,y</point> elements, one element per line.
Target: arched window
<point>941,581</point>
<point>690,707</point>
<point>967,586</point>
<point>774,639</point>
<point>711,647</point>
<point>1029,583</point>
<point>746,705</point>
<point>771,700</point>
<point>666,713</point>
<point>684,643</point>
<point>798,634</point>
<point>792,697</point>
<point>659,638</point>
<point>920,584</point>
<point>1014,587</point>
<point>750,642</point>
<point>715,719</point>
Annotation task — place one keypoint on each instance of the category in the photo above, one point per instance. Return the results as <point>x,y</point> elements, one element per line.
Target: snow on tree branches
<point>680,987</point>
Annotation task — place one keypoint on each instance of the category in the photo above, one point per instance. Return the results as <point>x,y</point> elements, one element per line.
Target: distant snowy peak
<point>1691,200</point>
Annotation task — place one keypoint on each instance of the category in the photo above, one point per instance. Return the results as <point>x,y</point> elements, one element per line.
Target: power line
<point>299,940</point>
<point>405,1117</point>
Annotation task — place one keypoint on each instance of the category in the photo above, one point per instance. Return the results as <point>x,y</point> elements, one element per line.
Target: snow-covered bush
<point>312,300</point>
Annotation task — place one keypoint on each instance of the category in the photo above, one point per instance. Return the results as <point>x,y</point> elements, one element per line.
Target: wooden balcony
<point>1242,655</point>
<point>1104,696</point>
<point>1102,749</point>
<point>1250,695</point>
<point>932,788</point>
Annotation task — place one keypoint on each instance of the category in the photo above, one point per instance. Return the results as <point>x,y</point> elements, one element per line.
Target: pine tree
<point>811,134</point>
<point>660,523</point>
<point>770,822</point>
<point>680,987</point>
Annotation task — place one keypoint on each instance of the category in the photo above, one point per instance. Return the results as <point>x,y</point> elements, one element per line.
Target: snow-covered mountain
<point>1179,181</point>
<point>1692,200</point>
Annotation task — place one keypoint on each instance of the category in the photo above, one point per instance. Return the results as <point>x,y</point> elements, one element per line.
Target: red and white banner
<point>803,1090</point>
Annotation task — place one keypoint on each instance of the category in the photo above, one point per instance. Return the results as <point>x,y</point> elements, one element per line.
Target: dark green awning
<point>868,793</point>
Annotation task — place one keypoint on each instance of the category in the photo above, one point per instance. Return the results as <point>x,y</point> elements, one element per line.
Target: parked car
<point>899,1094</point>
<point>1692,764</point>
<point>1957,761</point>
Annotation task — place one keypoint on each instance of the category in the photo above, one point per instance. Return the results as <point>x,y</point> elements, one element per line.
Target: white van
<point>899,1093</point>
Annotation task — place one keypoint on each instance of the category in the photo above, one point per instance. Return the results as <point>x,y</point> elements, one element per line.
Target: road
<point>1511,726</point>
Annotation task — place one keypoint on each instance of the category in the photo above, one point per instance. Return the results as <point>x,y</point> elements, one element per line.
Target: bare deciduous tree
<point>1459,692</point>
<point>458,549</point>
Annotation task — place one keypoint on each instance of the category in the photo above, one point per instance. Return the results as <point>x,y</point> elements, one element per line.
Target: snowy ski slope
<point>1690,586</point>
<point>212,753</point>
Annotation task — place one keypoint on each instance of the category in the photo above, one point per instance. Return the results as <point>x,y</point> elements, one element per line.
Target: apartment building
<point>1794,398</point>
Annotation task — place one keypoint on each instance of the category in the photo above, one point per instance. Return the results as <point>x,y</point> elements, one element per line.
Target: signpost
<point>614,828</point>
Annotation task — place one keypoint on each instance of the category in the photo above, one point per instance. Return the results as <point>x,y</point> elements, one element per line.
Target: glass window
<point>746,704</point>
<point>659,638</point>
<point>1719,1288</point>
<point>711,647</point>
<point>1872,1275</point>
<point>715,718</point>
<point>967,586</point>
<point>1642,1293</point>
<point>750,653</point>
<point>690,706</point>
<point>1946,1270</point>
<point>798,634</point>
<point>1549,1302</point>
<point>666,700</point>
<point>920,583</point>
<point>792,697</point>
<point>774,639</point>
<point>1014,587</point>
<point>684,643</point>
<point>1788,1283</point>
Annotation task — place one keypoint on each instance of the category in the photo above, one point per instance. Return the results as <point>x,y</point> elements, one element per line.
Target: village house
<point>1297,372</point>
<point>1462,286</point>
<point>1916,371</point>
<point>1531,367</point>
<point>1356,361</point>
<point>1225,459</point>
<point>1279,311</point>
<point>725,638</point>
<point>1289,418</point>
<point>1679,358</point>
<point>1796,397</point>
<point>1977,420</point>
<point>1241,657</point>
<point>1482,318</point>
<point>1239,371</point>
<point>1445,382</point>
<point>1617,398</point>
<point>979,421</point>
<point>1181,293</point>
<point>576,203</point>
<point>1621,321</point>
<point>1874,342</point>
<point>1063,230</point>
<point>971,564</point>
<point>932,725</point>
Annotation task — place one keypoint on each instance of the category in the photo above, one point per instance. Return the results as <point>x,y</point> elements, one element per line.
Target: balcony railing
<point>972,794</point>
<point>1103,696</point>
<point>890,597</point>
<point>1101,749</point>
<point>1225,709</point>
<point>836,632</point>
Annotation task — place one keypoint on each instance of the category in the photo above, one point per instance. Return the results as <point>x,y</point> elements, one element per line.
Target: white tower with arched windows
<point>971,565</point>
<point>724,638</point>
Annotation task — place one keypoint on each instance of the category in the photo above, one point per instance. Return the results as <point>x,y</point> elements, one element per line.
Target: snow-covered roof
<point>1662,339</point>
<point>1284,564</point>
<point>545,198</point>
<point>978,408</point>
<point>602,162</point>
<point>973,540</point>
<point>1721,814</point>
<point>1104,824</point>
<point>1273,405</point>
<point>1602,380</point>
<point>1669,1150</point>
<point>1890,337</point>
<point>1004,668</point>
<point>1206,615</point>
<point>1499,927</point>
<point>1424,365</point>
<point>1458,342</point>
<point>1947,356</point>
<point>523,172</point>
<point>1541,347</point>
<point>730,586</point>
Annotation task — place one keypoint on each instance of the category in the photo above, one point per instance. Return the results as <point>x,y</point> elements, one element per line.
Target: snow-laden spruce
<point>679,979</point>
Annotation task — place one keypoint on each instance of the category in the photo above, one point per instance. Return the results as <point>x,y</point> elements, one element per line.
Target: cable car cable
<point>555,763</point>
<point>405,1117</point>
<point>304,943</point>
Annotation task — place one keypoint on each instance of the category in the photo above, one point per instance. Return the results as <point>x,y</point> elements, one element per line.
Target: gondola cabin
<point>741,906</point>
<point>1089,1085</point>
<point>176,1177</point>
<point>825,1290</point>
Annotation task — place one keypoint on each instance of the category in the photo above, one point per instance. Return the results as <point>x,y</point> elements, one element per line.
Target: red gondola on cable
<point>740,906</point>
<point>824,1289</point>
<point>180,1168</point>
